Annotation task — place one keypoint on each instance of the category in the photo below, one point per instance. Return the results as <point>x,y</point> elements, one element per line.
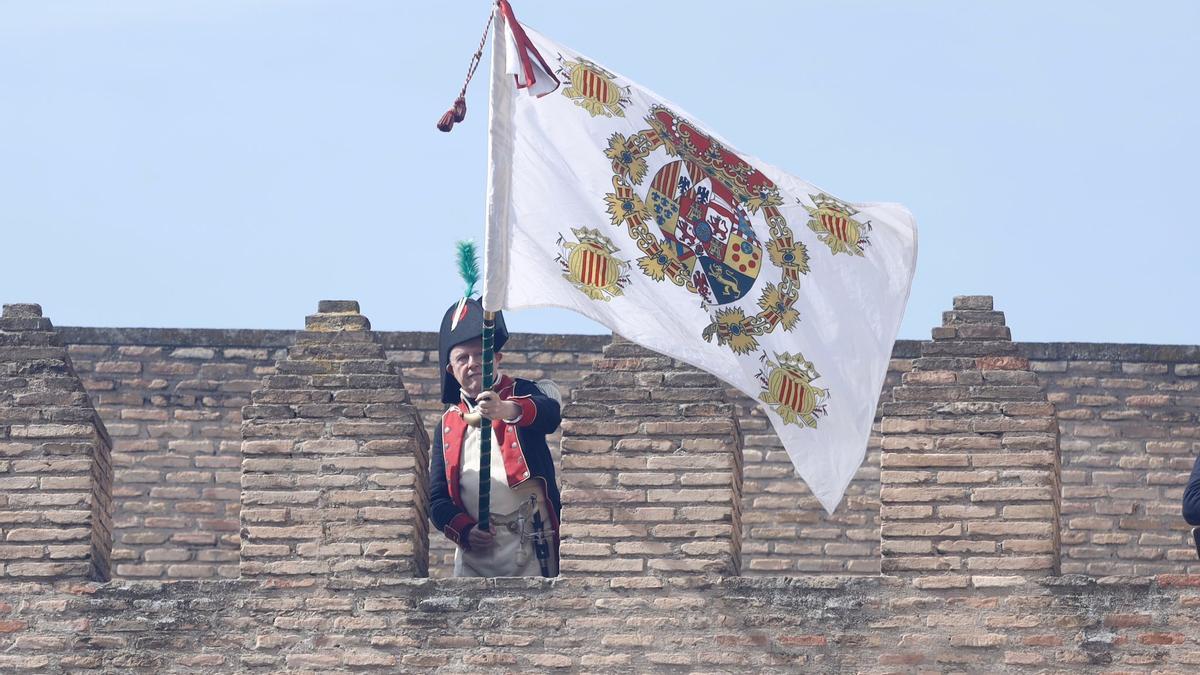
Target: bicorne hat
<point>463,322</point>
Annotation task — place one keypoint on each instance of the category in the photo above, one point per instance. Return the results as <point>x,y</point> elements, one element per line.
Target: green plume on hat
<point>468,265</point>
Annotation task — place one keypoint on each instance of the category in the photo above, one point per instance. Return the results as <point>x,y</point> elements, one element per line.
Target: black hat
<point>463,322</point>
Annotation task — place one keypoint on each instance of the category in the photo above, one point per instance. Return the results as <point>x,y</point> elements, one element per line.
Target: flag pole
<point>485,425</point>
<point>491,300</point>
<point>498,183</point>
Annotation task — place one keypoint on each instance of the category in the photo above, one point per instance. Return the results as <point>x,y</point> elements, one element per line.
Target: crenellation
<point>57,475</point>
<point>339,464</point>
<point>659,455</point>
<point>1107,443</point>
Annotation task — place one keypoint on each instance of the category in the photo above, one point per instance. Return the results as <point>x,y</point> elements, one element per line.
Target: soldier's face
<point>466,365</point>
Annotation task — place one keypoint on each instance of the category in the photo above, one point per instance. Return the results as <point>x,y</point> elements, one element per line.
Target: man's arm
<point>455,523</point>
<point>1191,497</point>
<point>540,403</point>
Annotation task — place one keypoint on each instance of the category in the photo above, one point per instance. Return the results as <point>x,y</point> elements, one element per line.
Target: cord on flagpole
<point>458,111</point>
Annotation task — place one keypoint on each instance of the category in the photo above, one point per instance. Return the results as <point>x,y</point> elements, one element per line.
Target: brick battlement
<point>799,624</point>
<point>172,400</point>
<point>56,474</point>
<point>1021,501</point>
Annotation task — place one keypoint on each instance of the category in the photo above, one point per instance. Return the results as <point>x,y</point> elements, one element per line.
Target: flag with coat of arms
<point>606,199</point>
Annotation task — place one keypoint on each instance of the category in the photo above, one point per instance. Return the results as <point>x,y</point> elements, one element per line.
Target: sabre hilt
<point>541,548</point>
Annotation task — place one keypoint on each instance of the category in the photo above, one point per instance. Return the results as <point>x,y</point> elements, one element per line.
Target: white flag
<point>608,200</point>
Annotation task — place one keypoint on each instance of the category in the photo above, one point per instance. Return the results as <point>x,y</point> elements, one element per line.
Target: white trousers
<point>511,555</point>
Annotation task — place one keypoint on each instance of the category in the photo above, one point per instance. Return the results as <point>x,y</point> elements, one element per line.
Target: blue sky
<point>230,163</point>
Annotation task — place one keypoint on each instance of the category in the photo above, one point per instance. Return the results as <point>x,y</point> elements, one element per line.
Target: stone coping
<point>903,349</point>
<point>649,583</point>
<point>249,337</point>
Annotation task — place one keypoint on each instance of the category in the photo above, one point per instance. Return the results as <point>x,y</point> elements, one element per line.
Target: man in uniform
<point>524,503</point>
<point>1191,499</point>
<point>1191,504</point>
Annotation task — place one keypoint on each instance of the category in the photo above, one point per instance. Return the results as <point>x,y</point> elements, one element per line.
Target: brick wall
<point>652,475</point>
<point>942,613</point>
<point>1129,421</point>
<point>334,461</point>
<point>172,398</point>
<point>55,467</point>
<point>970,459</point>
<point>1129,417</point>
<point>689,624</point>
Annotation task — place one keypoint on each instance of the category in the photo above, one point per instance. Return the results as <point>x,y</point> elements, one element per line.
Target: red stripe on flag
<point>587,267</point>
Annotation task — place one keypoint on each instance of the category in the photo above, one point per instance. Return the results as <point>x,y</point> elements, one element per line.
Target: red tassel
<point>457,113</point>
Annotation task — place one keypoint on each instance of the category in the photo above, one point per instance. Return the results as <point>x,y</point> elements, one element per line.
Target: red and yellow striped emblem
<point>836,227</point>
<point>592,266</point>
<point>593,85</point>
<point>793,391</point>
<point>593,88</point>
<point>842,228</point>
<point>788,388</point>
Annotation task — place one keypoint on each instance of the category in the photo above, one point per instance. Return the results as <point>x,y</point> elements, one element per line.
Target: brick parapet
<point>55,468</point>
<point>173,400</point>
<point>651,471</point>
<point>1128,415</point>
<point>251,337</point>
<point>1130,434</point>
<point>903,349</point>
<point>334,461</point>
<point>970,480</point>
<point>1002,624</point>
<point>174,414</point>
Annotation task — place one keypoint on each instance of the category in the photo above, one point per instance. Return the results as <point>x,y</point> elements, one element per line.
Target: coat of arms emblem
<point>695,219</point>
<point>593,88</point>
<point>835,225</point>
<point>788,388</point>
<point>590,266</point>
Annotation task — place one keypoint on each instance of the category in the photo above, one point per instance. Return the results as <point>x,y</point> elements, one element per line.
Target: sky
<point>228,163</point>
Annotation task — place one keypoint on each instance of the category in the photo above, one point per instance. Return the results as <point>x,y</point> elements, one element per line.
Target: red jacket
<point>522,445</point>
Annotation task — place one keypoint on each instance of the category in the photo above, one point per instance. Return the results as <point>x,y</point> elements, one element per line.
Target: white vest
<point>503,500</point>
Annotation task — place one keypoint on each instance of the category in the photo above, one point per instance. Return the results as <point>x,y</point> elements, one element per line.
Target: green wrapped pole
<point>485,426</point>
<point>468,268</point>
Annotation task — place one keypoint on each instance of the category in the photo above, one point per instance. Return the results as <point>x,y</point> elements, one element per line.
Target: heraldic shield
<point>701,222</point>
<point>702,202</point>
<point>710,207</point>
